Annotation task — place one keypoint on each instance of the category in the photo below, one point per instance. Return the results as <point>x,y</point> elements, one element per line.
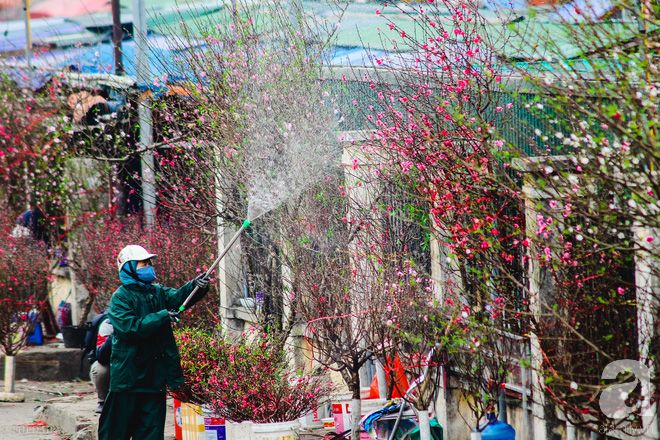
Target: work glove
<point>174,315</point>
<point>202,282</point>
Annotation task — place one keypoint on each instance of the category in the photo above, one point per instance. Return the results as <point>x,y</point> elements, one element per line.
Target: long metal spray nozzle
<point>245,225</point>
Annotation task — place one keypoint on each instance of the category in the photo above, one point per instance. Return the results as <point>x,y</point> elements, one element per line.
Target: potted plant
<point>247,378</point>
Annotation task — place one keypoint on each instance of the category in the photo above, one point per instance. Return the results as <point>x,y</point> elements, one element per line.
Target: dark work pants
<point>140,416</point>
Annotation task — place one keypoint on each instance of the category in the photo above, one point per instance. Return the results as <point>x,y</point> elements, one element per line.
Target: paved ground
<point>18,419</point>
<point>58,405</point>
<point>56,411</point>
<point>65,411</point>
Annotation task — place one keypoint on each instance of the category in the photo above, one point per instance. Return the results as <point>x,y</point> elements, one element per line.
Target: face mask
<point>146,274</point>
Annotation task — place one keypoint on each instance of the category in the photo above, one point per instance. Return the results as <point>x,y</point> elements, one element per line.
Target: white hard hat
<point>133,252</point>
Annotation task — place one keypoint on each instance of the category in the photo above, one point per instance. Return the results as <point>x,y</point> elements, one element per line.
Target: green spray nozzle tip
<point>181,309</point>
<point>246,223</point>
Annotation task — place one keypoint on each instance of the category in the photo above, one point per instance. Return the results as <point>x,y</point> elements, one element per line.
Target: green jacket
<point>145,357</point>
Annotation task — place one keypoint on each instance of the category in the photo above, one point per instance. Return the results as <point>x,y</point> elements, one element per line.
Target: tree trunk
<point>356,405</point>
<point>10,370</point>
<point>86,309</point>
<point>424,425</point>
<point>356,414</point>
<point>9,395</point>
<point>91,294</point>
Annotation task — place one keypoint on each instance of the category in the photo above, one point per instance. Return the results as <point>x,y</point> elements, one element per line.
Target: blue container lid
<point>497,430</point>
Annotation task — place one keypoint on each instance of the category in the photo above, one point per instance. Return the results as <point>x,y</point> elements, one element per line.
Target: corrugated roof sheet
<point>362,34</point>
<point>44,31</point>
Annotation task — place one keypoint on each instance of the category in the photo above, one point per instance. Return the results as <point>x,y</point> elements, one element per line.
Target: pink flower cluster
<point>24,275</point>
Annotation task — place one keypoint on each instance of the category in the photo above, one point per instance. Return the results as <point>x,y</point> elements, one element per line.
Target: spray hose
<point>245,225</point>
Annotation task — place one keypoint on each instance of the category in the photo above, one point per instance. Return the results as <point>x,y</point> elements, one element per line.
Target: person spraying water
<point>145,358</point>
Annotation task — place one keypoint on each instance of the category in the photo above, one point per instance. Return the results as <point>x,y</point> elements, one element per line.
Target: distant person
<point>145,359</point>
<point>99,357</point>
<point>87,107</point>
<point>31,224</point>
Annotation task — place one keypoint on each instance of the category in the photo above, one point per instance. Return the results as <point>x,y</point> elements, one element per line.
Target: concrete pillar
<point>382,380</point>
<point>526,433</point>
<point>144,112</point>
<point>540,291</point>
<point>364,195</point>
<point>229,279</point>
<point>147,165</point>
<point>366,374</point>
<point>647,291</point>
<point>447,410</point>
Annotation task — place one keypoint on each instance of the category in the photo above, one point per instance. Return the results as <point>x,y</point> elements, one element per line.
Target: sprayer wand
<point>246,224</point>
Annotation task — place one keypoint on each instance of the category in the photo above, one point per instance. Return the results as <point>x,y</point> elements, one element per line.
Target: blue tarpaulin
<point>166,56</point>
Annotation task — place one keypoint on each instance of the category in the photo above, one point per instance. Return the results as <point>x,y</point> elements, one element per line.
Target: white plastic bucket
<point>238,431</point>
<point>276,431</point>
<point>328,424</point>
